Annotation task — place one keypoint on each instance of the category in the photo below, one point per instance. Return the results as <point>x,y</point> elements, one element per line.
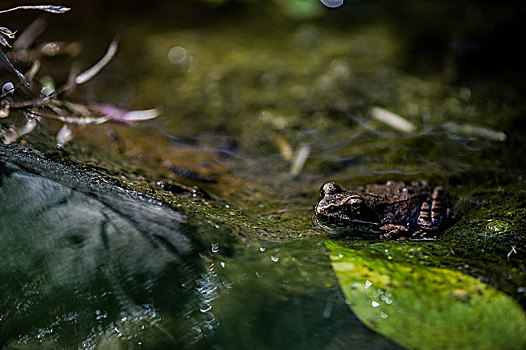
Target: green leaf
<point>423,307</point>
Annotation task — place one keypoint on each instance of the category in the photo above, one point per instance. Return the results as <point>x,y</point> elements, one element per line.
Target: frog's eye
<point>354,202</point>
<point>329,188</point>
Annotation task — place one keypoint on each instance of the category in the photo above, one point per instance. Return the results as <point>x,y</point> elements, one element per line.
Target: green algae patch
<point>423,307</point>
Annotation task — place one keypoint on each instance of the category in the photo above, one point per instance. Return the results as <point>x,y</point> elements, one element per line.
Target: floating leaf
<point>427,307</point>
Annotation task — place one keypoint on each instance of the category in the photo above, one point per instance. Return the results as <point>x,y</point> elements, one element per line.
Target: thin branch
<point>10,66</point>
<point>26,38</point>
<point>50,107</point>
<point>91,72</point>
<point>46,8</point>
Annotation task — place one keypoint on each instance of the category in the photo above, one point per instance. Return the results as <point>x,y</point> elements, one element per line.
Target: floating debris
<point>284,146</point>
<point>125,116</point>
<point>475,130</point>
<point>299,160</point>
<point>64,134</point>
<point>392,119</point>
<point>95,69</point>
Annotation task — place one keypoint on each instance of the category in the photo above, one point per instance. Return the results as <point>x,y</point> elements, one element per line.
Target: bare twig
<point>48,105</point>
<point>33,31</point>
<point>46,8</point>
<point>10,66</point>
<point>95,69</point>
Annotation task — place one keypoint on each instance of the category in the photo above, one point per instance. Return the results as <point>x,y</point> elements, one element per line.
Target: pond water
<point>195,230</point>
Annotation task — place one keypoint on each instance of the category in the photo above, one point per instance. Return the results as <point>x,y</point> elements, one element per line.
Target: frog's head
<point>339,207</point>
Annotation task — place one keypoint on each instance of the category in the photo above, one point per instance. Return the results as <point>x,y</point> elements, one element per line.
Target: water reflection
<point>88,257</point>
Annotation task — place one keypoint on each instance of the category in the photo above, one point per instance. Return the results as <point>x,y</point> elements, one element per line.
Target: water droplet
<point>375,304</point>
<point>332,3</point>
<point>50,49</point>
<point>64,135</point>
<point>8,88</point>
<point>274,258</point>
<point>383,315</point>
<point>262,249</point>
<point>268,79</point>
<point>47,91</point>
<point>465,93</point>
<point>222,264</point>
<point>177,54</point>
<point>205,308</point>
<point>340,255</point>
<point>215,247</point>
<point>368,284</point>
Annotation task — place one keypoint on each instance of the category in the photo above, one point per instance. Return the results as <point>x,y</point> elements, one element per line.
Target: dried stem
<point>46,8</point>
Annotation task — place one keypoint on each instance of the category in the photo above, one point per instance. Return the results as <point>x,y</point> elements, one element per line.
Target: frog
<point>391,210</point>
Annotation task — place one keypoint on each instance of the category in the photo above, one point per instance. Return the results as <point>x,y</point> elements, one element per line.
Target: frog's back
<point>396,202</point>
